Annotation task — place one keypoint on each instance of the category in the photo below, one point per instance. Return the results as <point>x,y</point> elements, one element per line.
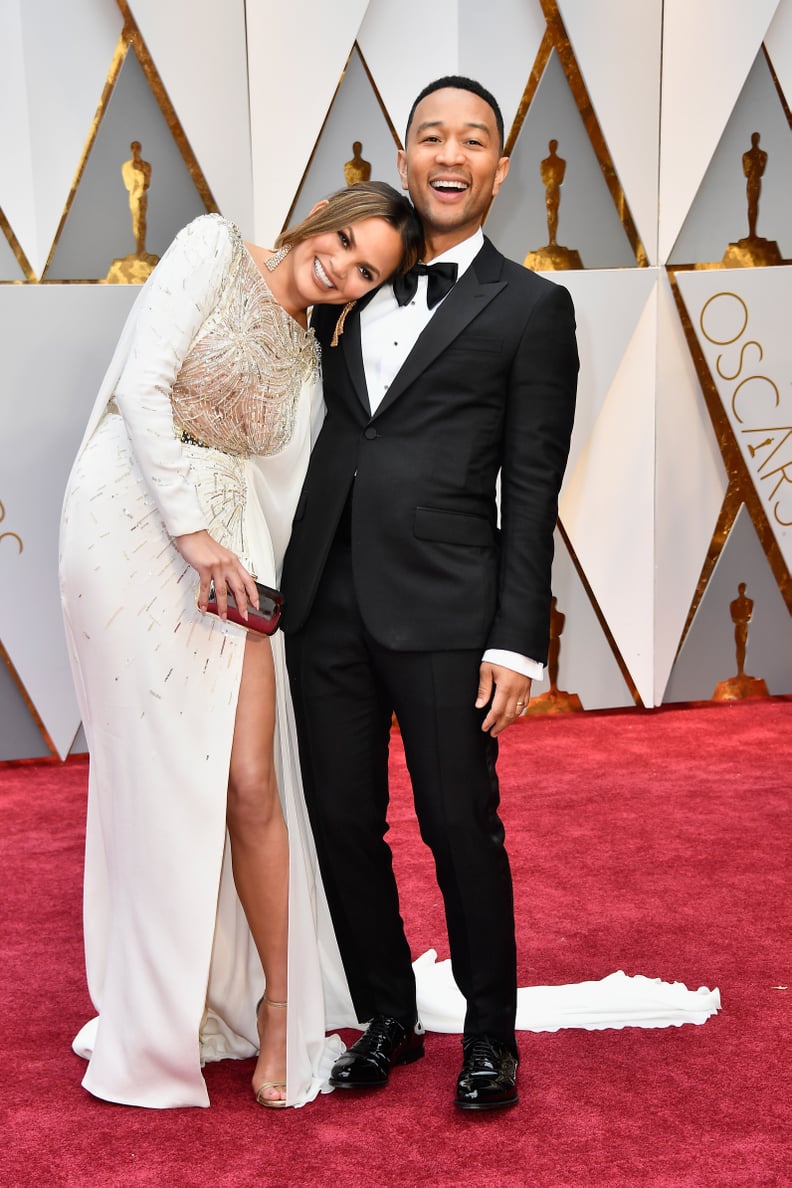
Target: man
<point>398,581</point>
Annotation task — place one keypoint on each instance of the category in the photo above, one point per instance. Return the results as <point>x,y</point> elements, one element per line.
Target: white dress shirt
<point>388,333</point>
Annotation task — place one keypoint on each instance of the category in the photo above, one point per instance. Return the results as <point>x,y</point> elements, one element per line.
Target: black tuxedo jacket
<point>488,390</point>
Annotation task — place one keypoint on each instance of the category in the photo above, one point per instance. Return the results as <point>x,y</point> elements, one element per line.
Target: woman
<point>188,475</point>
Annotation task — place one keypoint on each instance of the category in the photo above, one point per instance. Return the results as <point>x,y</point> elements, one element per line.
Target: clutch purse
<point>264,621</point>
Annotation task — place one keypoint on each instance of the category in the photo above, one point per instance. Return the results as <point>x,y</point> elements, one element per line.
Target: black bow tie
<point>442,278</point>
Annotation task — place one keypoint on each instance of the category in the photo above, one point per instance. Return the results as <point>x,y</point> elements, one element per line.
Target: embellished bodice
<point>238,386</point>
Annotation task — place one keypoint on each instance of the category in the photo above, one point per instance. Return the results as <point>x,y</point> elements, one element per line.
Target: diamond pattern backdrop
<point>252,108</point>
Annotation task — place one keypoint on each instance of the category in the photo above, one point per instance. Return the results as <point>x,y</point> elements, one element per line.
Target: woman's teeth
<point>321,275</point>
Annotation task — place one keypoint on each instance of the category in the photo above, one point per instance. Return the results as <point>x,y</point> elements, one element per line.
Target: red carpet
<point>654,842</point>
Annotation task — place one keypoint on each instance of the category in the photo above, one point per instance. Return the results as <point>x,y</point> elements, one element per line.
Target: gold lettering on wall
<point>723,321</point>
<point>9,535</point>
<point>756,407</point>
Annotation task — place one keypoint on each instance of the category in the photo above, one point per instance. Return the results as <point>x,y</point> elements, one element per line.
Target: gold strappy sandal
<point>272,1103</point>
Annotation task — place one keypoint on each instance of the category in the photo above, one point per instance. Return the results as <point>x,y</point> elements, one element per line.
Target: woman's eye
<point>344,239</point>
<point>364,272</point>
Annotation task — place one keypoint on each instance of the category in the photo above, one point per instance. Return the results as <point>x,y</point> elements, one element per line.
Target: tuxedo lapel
<point>353,357</point>
<point>350,348</point>
<point>469,296</point>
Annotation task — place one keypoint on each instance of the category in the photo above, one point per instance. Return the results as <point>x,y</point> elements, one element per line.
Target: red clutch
<point>264,620</point>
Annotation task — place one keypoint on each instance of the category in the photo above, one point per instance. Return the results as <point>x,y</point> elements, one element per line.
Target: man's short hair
<point>459,83</point>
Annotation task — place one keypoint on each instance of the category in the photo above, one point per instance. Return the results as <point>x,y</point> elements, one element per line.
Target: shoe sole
<point>486,1105</point>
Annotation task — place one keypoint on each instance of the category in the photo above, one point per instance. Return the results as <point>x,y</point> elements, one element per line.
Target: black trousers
<point>346,688</point>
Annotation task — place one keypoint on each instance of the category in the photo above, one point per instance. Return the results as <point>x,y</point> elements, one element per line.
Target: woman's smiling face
<point>340,266</point>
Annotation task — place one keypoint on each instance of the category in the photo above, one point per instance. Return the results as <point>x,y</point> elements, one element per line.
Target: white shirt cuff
<point>516,662</point>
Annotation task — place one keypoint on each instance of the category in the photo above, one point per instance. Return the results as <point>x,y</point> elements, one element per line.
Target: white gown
<point>171,966</point>
<point>172,969</point>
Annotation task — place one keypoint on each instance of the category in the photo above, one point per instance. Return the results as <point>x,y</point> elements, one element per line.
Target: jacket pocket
<point>452,527</point>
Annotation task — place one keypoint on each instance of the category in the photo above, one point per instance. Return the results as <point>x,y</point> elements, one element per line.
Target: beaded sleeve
<point>170,310</point>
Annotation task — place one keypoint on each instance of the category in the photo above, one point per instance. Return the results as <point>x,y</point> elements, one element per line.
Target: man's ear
<point>401,165</point>
<point>500,174</point>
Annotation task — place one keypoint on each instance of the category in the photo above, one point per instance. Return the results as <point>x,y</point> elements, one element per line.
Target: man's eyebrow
<point>425,124</point>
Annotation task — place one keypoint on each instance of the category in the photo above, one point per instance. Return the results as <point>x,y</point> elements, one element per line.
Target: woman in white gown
<point>189,473</point>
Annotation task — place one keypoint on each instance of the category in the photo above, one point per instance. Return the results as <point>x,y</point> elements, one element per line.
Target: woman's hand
<point>215,563</point>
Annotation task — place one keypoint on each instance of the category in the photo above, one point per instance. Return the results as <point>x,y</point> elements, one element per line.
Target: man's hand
<point>509,691</point>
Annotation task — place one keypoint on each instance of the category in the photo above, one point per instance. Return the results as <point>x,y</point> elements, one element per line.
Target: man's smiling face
<point>452,164</point>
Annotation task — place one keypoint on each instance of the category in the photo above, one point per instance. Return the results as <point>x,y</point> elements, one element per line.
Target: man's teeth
<point>322,275</point>
<point>449,185</point>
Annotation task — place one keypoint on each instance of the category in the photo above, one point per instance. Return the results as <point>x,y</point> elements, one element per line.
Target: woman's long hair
<point>364,200</point>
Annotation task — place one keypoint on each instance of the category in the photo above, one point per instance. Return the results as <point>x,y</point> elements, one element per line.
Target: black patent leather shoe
<point>385,1043</point>
<point>488,1080</point>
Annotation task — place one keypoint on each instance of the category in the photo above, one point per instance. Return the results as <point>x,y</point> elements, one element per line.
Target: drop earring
<point>277,257</point>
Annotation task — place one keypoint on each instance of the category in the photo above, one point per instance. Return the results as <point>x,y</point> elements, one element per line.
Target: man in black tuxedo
<point>405,591</point>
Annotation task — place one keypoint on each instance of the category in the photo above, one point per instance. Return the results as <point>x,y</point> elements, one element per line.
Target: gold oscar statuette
<point>753,251</point>
<point>554,701</point>
<point>552,257</point>
<point>357,170</point>
<point>739,687</point>
<point>134,269</point>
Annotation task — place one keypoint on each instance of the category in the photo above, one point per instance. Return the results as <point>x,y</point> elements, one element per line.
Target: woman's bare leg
<point>260,850</point>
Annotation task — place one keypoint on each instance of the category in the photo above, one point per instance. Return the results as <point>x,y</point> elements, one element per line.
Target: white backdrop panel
<point>708,49</point>
<point>16,163</point>
<point>9,265</point>
<point>296,56</point>
<point>709,653</point>
<point>619,41</point>
<point>608,504</point>
<point>67,50</point>
<point>58,343</point>
<point>355,115</point>
<point>779,45</point>
<point>719,214</point>
<point>20,735</point>
<point>690,483</point>
<point>187,42</point>
<point>643,443</point>
<point>587,665</point>
<point>401,57</point>
<point>500,51</point>
<point>588,220</point>
<point>98,227</point>
<point>608,305</point>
